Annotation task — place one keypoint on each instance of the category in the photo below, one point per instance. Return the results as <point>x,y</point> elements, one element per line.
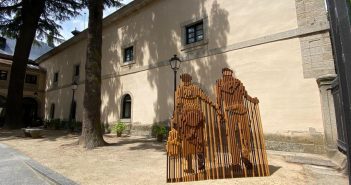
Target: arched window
<point>126,106</point>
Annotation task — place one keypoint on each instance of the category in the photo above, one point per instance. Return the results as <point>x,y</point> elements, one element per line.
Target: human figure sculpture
<point>231,96</point>
<point>190,121</point>
<point>218,140</point>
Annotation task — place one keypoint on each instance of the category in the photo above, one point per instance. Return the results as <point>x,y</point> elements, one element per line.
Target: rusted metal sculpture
<point>215,141</point>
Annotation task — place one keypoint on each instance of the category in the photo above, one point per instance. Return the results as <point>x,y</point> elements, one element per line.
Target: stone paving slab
<point>17,173</point>
<point>305,158</point>
<point>17,169</point>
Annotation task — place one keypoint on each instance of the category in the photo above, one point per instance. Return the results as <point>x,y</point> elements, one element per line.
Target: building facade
<point>278,49</point>
<point>34,82</point>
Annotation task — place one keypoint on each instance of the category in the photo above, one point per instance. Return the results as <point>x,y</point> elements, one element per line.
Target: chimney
<point>2,43</point>
<point>75,32</point>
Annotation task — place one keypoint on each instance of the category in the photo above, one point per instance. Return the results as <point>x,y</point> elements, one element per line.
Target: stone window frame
<point>186,47</point>
<point>126,120</point>
<point>196,33</point>
<point>29,79</point>
<point>76,78</point>
<point>4,75</point>
<point>125,46</point>
<point>55,83</point>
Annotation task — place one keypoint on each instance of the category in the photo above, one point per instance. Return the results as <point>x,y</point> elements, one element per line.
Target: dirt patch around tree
<point>128,160</point>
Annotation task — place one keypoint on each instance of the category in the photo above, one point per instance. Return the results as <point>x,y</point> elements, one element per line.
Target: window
<point>31,79</point>
<point>3,75</point>
<point>76,70</point>
<point>52,111</point>
<point>126,106</point>
<point>194,32</point>
<point>56,77</point>
<point>128,54</point>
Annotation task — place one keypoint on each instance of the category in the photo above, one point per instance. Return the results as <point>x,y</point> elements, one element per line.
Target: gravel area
<point>133,160</point>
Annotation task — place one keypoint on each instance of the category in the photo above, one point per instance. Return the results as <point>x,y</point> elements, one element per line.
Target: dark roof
<point>36,51</point>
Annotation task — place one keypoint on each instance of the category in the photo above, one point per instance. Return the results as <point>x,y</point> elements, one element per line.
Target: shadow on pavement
<point>273,169</point>
<point>48,135</point>
<point>139,143</point>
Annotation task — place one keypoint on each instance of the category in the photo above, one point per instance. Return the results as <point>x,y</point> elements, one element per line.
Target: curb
<point>305,158</point>
<point>51,175</point>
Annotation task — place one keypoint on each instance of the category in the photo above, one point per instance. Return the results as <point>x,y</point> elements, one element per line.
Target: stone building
<point>34,86</point>
<point>278,49</point>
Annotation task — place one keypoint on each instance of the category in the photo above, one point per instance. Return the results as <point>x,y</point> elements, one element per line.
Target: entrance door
<point>30,110</point>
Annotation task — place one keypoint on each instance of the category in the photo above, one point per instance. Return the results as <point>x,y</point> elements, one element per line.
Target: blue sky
<point>81,22</point>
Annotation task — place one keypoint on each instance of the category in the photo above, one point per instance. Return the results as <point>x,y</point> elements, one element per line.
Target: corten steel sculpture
<point>215,141</point>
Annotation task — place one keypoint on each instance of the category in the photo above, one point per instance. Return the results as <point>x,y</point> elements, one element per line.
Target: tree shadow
<point>144,143</point>
<point>48,135</point>
<point>160,79</point>
<point>155,38</point>
<point>152,89</point>
<point>62,96</point>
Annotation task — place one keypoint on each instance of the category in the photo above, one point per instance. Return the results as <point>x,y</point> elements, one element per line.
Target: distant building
<point>280,50</point>
<point>34,87</point>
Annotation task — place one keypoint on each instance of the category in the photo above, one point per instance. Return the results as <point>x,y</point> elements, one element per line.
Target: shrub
<point>76,126</point>
<point>118,128</point>
<point>57,124</point>
<point>159,131</point>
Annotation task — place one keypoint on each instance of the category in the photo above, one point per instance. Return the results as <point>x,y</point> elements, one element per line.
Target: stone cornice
<point>290,34</point>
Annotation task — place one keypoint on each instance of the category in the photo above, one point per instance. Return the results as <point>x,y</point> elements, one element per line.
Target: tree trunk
<point>31,12</point>
<point>91,131</point>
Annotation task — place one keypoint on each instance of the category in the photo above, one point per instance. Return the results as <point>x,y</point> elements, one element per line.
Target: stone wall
<point>315,48</point>
<point>318,63</point>
<point>296,141</point>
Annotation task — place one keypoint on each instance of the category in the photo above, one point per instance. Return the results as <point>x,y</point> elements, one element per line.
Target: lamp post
<point>175,65</point>
<point>74,87</point>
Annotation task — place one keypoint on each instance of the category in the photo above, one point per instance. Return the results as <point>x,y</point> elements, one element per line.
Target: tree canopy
<point>11,17</point>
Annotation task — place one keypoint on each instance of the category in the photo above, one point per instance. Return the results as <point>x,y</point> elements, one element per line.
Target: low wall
<point>290,141</point>
<point>296,141</point>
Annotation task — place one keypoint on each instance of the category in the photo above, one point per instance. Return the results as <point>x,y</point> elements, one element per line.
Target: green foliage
<point>57,124</point>
<point>53,124</point>
<point>106,128</point>
<point>11,17</point>
<point>119,127</point>
<point>107,3</point>
<point>159,129</point>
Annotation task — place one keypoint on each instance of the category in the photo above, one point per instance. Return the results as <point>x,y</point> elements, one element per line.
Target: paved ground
<point>17,169</point>
<point>138,160</point>
<point>14,171</point>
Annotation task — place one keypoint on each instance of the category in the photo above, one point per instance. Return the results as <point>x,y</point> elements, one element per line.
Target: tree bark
<point>91,132</point>
<point>31,12</point>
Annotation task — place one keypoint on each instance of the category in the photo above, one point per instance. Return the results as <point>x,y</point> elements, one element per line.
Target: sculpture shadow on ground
<point>273,169</point>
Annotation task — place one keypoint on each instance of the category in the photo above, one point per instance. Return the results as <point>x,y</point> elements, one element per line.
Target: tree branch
<point>6,8</point>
